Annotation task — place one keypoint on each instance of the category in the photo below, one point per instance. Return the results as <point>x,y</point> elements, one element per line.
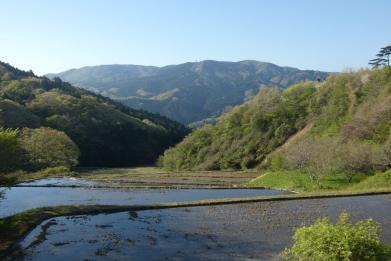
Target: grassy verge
<point>300,182</point>
<point>15,227</point>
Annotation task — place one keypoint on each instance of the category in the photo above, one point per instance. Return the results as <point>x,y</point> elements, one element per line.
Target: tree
<point>9,150</point>
<point>313,155</point>
<point>382,58</point>
<point>45,147</point>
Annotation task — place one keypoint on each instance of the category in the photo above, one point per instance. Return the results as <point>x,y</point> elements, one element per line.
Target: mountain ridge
<point>187,92</point>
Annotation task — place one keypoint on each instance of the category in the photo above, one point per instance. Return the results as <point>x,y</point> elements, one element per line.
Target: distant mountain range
<point>189,92</point>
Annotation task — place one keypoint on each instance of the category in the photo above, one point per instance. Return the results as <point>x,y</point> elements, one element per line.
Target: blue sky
<point>54,35</point>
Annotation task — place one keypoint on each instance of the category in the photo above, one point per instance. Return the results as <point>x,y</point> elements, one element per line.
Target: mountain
<point>343,122</point>
<point>106,132</point>
<point>189,92</point>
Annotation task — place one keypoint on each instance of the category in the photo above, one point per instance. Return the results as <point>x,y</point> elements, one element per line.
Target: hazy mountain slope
<point>186,92</point>
<point>107,133</point>
<point>347,116</point>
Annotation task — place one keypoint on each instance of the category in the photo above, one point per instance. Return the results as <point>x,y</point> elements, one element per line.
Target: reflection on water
<point>17,199</point>
<point>251,231</point>
<point>58,182</point>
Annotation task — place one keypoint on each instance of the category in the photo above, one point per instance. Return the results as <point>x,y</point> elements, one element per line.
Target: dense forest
<point>105,133</point>
<point>340,124</point>
<point>191,93</point>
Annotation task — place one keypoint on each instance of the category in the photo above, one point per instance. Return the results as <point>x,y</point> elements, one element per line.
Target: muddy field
<point>155,177</point>
<point>251,231</point>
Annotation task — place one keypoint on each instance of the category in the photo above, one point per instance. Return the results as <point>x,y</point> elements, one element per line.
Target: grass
<point>300,182</point>
<point>380,180</point>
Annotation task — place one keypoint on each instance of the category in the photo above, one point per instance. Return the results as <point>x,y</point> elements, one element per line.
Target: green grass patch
<point>301,182</point>
<point>289,180</point>
<point>380,180</point>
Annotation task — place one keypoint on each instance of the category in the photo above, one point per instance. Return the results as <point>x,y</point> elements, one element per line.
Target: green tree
<point>45,147</point>
<point>9,150</point>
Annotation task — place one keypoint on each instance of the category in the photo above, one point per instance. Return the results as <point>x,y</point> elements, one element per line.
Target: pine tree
<point>382,58</point>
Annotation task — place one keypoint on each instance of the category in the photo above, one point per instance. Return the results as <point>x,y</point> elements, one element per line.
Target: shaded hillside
<point>188,92</point>
<point>107,133</point>
<point>348,117</point>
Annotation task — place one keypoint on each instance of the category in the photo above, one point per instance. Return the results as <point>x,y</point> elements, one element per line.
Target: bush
<point>9,150</point>
<point>343,241</point>
<point>45,147</point>
<point>276,162</point>
<point>55,170</point>
<point>357,157</point>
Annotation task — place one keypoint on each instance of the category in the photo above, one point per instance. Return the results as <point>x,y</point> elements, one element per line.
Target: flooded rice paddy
<point>45,193</point>
<point>248,231</point>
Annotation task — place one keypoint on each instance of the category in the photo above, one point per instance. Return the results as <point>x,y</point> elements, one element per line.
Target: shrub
<point>45,147</point>
<point>387,153</point>
<point>276,162</point>
<point>358,157</point>
<point>9,150</point>
<point>55,170</point>
<point>343,241</point>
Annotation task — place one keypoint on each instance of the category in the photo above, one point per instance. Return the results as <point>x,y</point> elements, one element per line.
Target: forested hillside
<point>189,92</point>
<point>341,124</point>
<point>106,133</point>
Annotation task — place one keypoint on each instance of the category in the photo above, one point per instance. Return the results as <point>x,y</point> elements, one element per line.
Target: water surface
<point>17,199</point>
<point>250,231</point>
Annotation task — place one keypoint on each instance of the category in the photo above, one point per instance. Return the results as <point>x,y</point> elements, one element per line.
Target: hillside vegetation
<point>341,125</point>
<point>106,133</point>
<point>194,92</point>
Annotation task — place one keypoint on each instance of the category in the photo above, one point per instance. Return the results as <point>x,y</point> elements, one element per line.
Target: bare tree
<point>314,156</point>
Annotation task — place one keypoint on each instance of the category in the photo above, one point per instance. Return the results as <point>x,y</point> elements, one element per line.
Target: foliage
<point>107,133</point>
<point>246,134</point>
<point>344,241</point>
<point>382,58</point>
<point>9,150</point>
<point>347,130</point>
<point>45,148</point>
